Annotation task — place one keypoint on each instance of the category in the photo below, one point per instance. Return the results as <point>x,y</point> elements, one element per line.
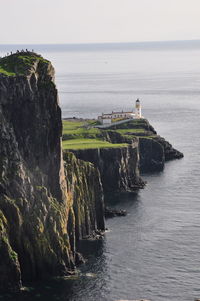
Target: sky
<point>98,21</point>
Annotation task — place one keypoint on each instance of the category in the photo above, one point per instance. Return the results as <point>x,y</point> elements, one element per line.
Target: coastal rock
<point>33,198</point>
<point>154,152</point>
<point>42,206</point>
<point>118,167</point>
<point>85,198</point>
<point>169,152</point>
<point>110,212</point>
<point>152,156</point>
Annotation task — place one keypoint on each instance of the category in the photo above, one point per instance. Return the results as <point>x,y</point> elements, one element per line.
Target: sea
<point>154,252</point>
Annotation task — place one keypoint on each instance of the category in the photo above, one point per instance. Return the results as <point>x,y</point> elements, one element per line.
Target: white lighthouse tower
<point>138,113</point>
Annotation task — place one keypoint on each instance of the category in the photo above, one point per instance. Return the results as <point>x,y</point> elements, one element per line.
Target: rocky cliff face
<point>154,152</point>
<point>118,167</point>
<point>85,198</point>
<point>39,209</point>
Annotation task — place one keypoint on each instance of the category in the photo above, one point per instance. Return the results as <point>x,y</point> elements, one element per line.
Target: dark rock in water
<point>95,235</point>
<point>152,156</point>
<point>110,212</point>
<point>154,152</point>
<point>79,259</point>
<point>169,152</point>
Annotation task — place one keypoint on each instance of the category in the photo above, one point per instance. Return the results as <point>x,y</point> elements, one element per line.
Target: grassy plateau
<point>82,134</point>
<point>19,63</point>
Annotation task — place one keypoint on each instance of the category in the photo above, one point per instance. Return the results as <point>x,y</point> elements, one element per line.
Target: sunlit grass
<point>19,63</point>
<point>134,131</point>
<point>90,143</point>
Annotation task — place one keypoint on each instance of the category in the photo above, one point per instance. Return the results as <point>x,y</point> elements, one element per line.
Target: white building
<point>138,109</point>
<point>108,118</point>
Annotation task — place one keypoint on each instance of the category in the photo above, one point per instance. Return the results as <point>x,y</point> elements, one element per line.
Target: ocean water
<point>154,251</point>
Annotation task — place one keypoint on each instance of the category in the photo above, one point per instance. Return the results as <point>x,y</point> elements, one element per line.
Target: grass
<point>131,124</point>
<point>89,144</point>
<point>133,131</point>
<point>79,129</point>
<point>80,134</point>
<point>19,63</point>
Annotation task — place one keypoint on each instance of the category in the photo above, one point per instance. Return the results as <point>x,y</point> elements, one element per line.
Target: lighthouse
<point>138,109</point>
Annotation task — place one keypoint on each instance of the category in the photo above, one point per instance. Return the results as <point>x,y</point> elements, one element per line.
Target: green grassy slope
<point>19,63</point>
<point>81,134</point>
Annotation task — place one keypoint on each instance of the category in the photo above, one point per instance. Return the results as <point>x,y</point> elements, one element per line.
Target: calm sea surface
<point>153,252</point>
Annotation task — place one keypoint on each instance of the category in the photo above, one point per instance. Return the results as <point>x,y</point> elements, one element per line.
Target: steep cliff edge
<point>154,150</point>
<point>85,198</point>
<point>118,167</point>
<point>39,210</point>
<point>120,150</point>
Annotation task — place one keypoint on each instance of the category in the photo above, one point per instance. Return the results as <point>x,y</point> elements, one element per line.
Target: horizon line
<point>105,43</point>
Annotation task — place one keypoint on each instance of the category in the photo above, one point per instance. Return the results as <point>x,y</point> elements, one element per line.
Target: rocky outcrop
<point>152,157</point>
<point>85,198</point>
<point>111,212</point>
<point>39,209</point>
<point>169,152</point>
<point>118,167</point>
<point>154,152</point>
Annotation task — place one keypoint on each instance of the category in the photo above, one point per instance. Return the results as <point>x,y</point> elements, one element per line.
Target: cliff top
<point>81,134</point>
<point>19,63</point>
<point>84,134</point>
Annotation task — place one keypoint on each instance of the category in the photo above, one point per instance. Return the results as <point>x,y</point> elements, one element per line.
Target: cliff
<point>48,204</point>
<point>120,151</point>
<point>154,150</point>
<point>39,209</point>
<point>118,167</point>
<point>85,198</point>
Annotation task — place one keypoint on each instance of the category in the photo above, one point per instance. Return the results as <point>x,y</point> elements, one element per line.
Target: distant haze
<point>97,21</point>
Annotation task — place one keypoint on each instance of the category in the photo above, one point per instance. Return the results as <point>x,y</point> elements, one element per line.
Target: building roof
<point>122,112</point>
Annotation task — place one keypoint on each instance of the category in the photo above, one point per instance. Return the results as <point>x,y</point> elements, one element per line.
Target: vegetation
<point>81,134</point>
<point>79,129</point>
<point>132,131</point>
<point>131,124</point>
<point>90,143</point>
<point>19,63</point>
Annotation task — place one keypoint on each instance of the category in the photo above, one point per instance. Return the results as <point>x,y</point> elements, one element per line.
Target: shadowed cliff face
<point>29,108</point>
<point>118,167</point>
<point>155,152</point>
<point>33,199</point>
<point>36,216</point>
<point>85,193</point>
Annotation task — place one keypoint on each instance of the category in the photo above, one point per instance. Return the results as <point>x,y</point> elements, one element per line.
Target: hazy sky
<point>85,21</point>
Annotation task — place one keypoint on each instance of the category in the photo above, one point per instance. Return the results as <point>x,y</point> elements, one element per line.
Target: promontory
<point>53,196</point>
